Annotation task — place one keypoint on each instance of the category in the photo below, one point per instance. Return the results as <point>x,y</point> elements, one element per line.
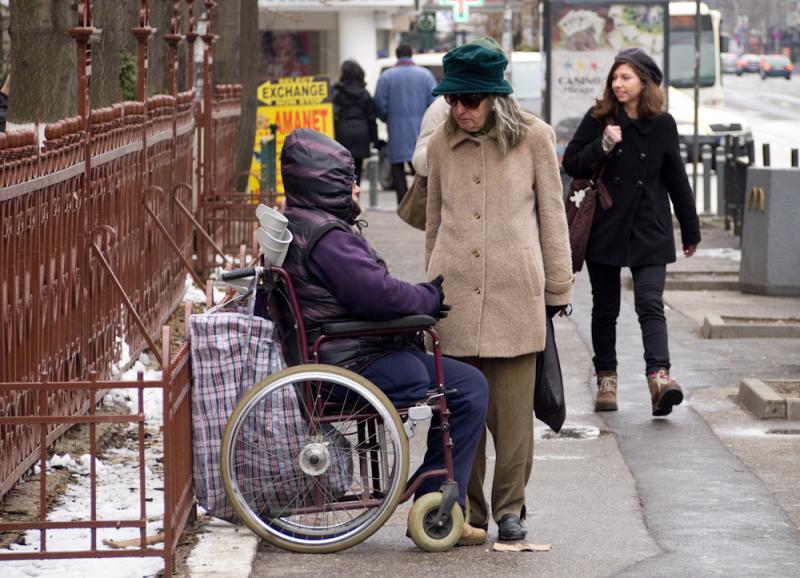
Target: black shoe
<point>511,528</point>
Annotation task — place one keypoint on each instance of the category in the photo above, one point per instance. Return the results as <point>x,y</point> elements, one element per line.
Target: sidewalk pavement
<point>707,491</point>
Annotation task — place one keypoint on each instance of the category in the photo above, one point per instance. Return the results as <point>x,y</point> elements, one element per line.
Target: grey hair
<point>509,120</point>
<point>511,124</point>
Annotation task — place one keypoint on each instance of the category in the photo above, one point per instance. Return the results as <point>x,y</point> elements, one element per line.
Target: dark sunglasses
<point>467,100</point>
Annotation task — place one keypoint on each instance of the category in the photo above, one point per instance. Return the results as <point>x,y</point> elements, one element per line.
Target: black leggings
<point>648,291</point>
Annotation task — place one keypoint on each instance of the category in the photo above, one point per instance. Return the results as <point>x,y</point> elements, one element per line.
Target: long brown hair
<point>651,99</point>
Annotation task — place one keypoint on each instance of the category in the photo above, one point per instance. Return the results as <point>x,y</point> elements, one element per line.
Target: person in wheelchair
<point>339,277</point>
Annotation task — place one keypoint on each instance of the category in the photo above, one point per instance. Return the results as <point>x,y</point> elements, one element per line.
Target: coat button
<point>477,290</point>
<point>642,156</point>
<point>476,214</point>
<point>619,151</point>
<point>616,180</point>
<point>476,252</point>
<point>639,184</point>
<point>476,178</point>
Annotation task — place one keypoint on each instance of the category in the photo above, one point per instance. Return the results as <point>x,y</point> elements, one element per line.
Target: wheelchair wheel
<point>314,459</point>
<point>425,533</point>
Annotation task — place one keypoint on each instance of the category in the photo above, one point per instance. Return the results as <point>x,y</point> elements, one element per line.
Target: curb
<point>765,403</point>
<point>223,549</point>
<point>718,327</point>
<point>697,281</point>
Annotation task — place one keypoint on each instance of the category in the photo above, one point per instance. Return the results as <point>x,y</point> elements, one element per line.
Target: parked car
<point>729,60</point>
<point>748,63</point>
<point>776,65</point>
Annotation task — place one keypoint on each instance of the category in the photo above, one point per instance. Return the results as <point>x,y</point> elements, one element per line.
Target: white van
<point>525,68</point>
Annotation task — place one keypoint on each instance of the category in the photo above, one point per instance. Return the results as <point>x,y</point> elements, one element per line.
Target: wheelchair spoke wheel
<point>426,533</point>
<point>314,459</point>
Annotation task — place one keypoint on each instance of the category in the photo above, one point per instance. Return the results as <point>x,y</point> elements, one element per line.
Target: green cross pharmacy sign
<point>461,8</point>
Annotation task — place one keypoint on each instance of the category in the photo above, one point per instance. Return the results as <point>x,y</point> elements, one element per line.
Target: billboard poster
<point>583,39</point>
<point>290,103</point>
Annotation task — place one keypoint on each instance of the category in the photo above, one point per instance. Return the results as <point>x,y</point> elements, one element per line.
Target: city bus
<point>681,51</point>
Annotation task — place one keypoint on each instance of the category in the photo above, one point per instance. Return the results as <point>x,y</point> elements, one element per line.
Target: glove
<point>553,310</point>
<point>443,310</point>
<point>379,144</point>
<point>443,307</point>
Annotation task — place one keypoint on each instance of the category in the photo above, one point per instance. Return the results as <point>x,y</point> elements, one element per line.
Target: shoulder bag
<point>581,204</point>
<point>412,209</point>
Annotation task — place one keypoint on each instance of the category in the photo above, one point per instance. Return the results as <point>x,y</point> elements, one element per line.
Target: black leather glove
<point>443,307</point>
<point>379,144</point>
<point>553,310</point>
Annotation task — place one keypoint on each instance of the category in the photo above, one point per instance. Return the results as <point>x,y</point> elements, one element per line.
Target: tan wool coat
<point>497,230</point>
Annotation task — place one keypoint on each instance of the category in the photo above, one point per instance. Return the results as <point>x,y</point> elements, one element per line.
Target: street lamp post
<point>696,143</point>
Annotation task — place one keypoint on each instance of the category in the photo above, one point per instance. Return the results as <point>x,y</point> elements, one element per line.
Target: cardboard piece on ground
<point>149,541</point>
<point>521,547</point>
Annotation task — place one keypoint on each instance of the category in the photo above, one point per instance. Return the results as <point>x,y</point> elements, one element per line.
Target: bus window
<point>681,51</point>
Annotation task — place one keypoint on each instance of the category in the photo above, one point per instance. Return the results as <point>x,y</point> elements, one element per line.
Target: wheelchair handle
<point>238,274</point>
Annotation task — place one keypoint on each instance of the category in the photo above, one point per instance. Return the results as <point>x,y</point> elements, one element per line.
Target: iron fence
<point>98,229</point>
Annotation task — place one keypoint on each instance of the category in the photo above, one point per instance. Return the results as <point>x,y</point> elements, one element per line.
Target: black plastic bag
<point>549,405</point>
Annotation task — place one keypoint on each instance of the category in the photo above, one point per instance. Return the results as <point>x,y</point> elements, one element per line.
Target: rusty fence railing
<point>99,227</point>
<point>175,387</point>
<point>228,214</point>
<point>62,315</point>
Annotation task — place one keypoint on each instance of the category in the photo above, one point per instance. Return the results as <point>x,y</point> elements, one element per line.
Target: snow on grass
<point>198,295</point>
<point>117,498</point>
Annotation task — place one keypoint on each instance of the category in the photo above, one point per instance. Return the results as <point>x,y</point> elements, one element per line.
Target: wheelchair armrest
<point>406,324</point>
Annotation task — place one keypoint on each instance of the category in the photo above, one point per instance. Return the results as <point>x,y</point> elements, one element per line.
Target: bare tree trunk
<point>160,16</point>
<point>183,61</point>
<point>235,62</point>
<point>43,61</point>
<point>248,66</point>
<point>116,20</point>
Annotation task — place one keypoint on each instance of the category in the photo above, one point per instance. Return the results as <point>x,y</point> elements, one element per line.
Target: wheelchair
<point>315,458</point>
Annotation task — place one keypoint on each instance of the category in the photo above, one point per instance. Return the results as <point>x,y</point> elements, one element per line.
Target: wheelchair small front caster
<point>426,533</point>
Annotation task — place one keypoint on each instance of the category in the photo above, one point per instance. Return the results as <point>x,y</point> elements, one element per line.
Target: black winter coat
<point>643,173</point>
<point>354,119</point>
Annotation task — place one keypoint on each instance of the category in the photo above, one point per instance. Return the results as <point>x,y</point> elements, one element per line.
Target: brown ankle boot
<point>664,392</point>
<point>606,391</point>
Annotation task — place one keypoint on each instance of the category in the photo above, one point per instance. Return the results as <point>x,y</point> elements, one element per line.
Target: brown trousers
<point>510,420</point>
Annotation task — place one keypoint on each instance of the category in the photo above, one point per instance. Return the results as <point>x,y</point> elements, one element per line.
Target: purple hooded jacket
<point>337,275</point>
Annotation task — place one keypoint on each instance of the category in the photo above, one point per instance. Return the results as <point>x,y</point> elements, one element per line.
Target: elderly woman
<point>496,229</point>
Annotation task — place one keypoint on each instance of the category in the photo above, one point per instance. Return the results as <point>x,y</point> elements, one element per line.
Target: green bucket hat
<point>475,67</point>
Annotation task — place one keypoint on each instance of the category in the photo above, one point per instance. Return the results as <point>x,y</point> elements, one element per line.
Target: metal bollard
<point>705,155</point>
<point>765,154</point>
<point>795,159</point>
<point>720,174</point>
<point>372,173</point>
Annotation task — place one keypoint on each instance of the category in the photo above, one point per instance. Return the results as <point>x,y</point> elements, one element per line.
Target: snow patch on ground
<point>721,253</point>
<point>198,295</point>
<point>118,496</point>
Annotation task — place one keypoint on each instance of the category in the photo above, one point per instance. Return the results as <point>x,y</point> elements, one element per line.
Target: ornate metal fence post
<point>206,158</point>
<point>173,39</point>
<point>191,35</point>
<point>83,34</point>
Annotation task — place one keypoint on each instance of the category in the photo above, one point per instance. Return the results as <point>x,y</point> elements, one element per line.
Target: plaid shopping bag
<point>232,350</point>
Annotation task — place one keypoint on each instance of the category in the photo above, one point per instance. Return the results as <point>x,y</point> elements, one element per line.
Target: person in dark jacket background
<point>338,277</point>
<point>628,130</point>
<point>354,115</point>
